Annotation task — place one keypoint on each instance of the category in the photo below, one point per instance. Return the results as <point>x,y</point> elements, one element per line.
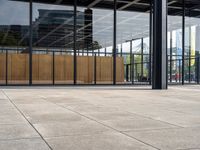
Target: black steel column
<point>75,19</point>
<point>179,77</point>
<point>183,43</point>
<point>133,69</point>
<point>197,67</point>
<point>131,60</point>
<point>127,72</point>
<point>159,44</point>
<point>114,41</point>
<point>142,57</point>
<point>6,67</point>
<point>95,69</point>
<point>150,40</point>
<point>121,51</point>
<point>30,40</point>
<point>53,68</point>
<point>170,57</point>
<point>190,54</point>
<point>105,51</point>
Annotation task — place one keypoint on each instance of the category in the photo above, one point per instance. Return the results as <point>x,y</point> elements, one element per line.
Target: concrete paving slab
<point>17,131</point>
<point>54,117</point>
<point>70,128</point>
<point>103,141</point>
<point>138,123</point>
<point>30,109</point>
<point>100,118</point>
<point>12,118</point>
<point>115,115</point>
<point>170,139</point>
<point>24,144</point>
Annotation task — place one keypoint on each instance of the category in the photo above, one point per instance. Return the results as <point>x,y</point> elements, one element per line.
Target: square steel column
<point>74,38</point>
<point>159,78</point>
<point>114,41</point>
<point>183,43</point>
<point>150,40</point>
<point>30,40</point>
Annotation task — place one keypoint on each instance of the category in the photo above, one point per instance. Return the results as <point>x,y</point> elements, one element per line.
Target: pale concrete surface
<point>99,118</point>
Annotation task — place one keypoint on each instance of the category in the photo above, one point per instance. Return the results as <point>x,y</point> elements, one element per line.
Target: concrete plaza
<point>100,118</point>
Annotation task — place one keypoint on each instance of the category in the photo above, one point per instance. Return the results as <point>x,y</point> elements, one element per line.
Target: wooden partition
<point>42,66</point>
<point>18,68</point>
<point>105,70</point>
<point>85,70</point>
<point>120,70</point>
<point>64,66</point>
<point>42,69</point>
<point>2,68</point>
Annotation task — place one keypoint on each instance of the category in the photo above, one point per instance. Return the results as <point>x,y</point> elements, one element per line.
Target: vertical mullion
<point>95,69</point>
<point>171,56</point>
<point>6,67</point>
<point>142,57</point>
<point>114,41</point>
<point>190,54</point>
<point>74,45</point>
<point>30,40</point>
<point>133,69</point>
<point>183,41</point>
<point>150,41</point>
<point>131,65</point>
<point>53,70</point>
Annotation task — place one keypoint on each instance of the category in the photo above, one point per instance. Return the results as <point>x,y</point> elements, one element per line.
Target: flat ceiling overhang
<point>175,6</point>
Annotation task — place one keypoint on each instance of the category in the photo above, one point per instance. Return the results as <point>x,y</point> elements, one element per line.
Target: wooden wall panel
<point>69,68</point>
<point>45,67</point>
<point>18,68</point>
<point>42,69</point>
<point>82,69</point>
<point>35,68</point>
<point>90,69</point>
<point>63,69</point>
<point>120,69</point>
<point>42,66</point>
<point>106,69</point>
<point>2,68</point>
<point>60,68</point>
<point>98,69</point>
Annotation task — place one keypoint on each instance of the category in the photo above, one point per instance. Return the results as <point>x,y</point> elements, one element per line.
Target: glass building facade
<point>95,42</point>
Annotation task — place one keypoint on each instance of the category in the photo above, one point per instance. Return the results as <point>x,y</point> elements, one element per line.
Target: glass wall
<point>54,44</point>
<point>133,37</point>
<point>95,40</point>
<point>175,46</point>
<point>192,46</point>
<point>14,41</point>
<point>53,27</point>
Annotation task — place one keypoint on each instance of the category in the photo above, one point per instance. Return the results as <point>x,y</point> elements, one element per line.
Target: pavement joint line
<point>146,130</point>
<point>18,139</point>
<point>190,149</point>
<point>151,118</point>
<point>27,120</point>
<point>106,126</point>
<point>157,120</point>
<point>70,135</point>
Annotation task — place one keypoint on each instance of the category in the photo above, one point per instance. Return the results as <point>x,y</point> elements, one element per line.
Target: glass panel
<point>175,49</point>
<point>192,46</point>
<point>14,38</point>
<point>52,44</point>
<point>95,40</point>
<point>133,30</point>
